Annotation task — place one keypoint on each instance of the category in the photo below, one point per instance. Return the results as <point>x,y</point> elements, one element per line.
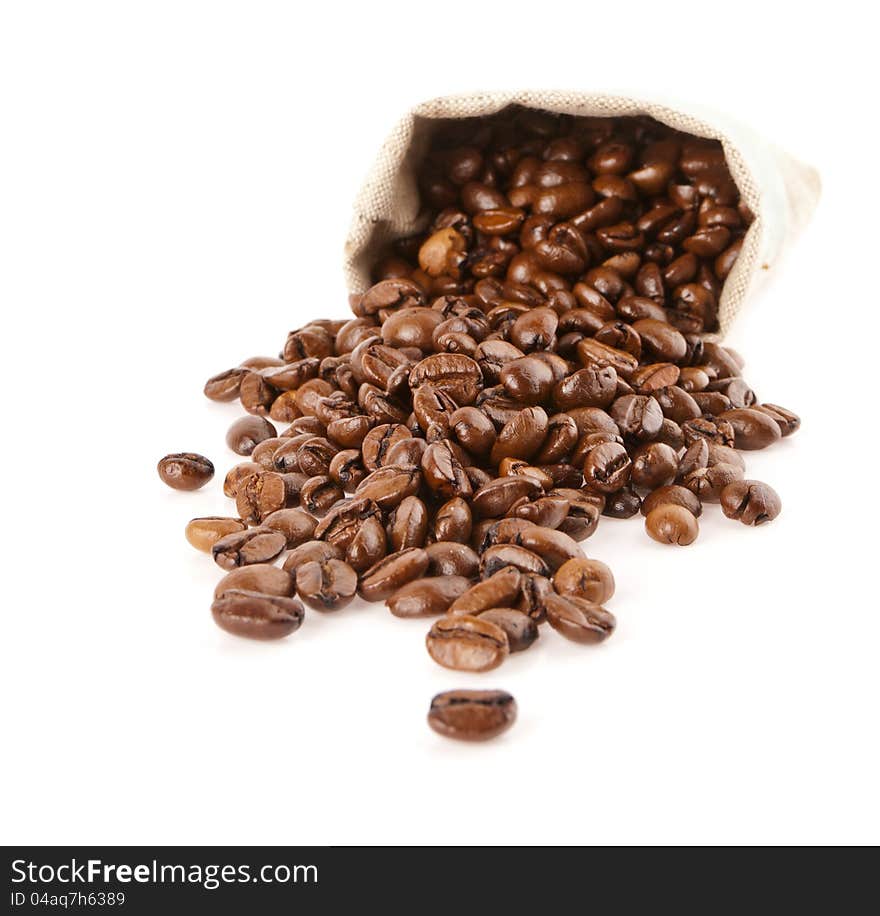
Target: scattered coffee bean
<point>185,471</point>
<point>472,715</point>
<point>257,615</point>
<point>326,586</point>
<point>578,619</point>
<point>467,643</point>
<point>242,548</point>
<point>203,533</point>
<point>750,502</point>
<point>672,524</point>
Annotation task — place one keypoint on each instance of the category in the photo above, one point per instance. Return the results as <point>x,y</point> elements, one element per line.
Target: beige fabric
<point>781,193</point>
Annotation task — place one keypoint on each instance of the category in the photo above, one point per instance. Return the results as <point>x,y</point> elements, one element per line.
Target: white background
<point>176,185</point>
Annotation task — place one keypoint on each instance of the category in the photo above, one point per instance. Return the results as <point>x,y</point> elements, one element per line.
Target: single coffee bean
<point>497,497</point>
<point>262,578</point>
<point>384,578</point>
<point>185,471</point>
<point>521,630</point>
<point>623,503</point>
<point>671,524</point>
<point>472,715</point>
<point>257,615</point>
<point>237,475</point>
<point>296,525</point>
<point>585,578</point>
<point>443,472</point>
<point>225,385</point>
<point>326,586</point>
<point>714,429</point>
<point>534,590</point>
<point>203,533</point>
<point>500,590</point>
<point>607,467</point>
<point>672,495</point>
<point>787,421</point>
<point>654,465</point>
<point>389,486</point>
<point>707,483</point>
<point>319,494</point>
<point>553,547</point>
<point>547,511</point>
<point>522,436</point>
<point>247,432</point>
<point>752,428</point>
<point>427,597</point>
<point>449,558</point>
<point>501,555</point>
<point>242,548</point>
<point>467,643</point>
<point>578,619</point>
<point>311,551</point>
<point>750,502</point>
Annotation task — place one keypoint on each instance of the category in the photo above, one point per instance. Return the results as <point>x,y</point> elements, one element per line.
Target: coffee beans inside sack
<point>538,357</point>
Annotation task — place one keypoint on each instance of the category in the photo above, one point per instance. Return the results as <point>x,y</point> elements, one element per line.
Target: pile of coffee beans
<point>532,361</point>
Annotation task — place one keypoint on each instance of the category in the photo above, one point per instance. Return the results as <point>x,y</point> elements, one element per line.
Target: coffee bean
<point>453,521</point>
<point>448,558</point>
<point>260,577</point>
<point>585,578</point>
<point>521,630</point>
<point>707,483</point>
<point>578,619</point>
<point>672,495</point>
<point>185,471</point>
<point>496,498</point>
<point>443,472</point>
<point>752,429</point>
<point>242,548</point>
<point>499,590</point>
<point>326,586</point>
<point>607,467</point>
<point>225,385</point>
<point>623,503</point>
<point>501,555</point>
<point>384,578</point>
<point>311,551</point>
<point>389,486</point>
<point>237,475</point>
<point>553,547</point>
<point>247,432</point>
<point>750,502</point>
<point>467,643</point>
<point>787,421</point>
<point>257,615</point>
<point>296,525</point>
<point>672,524</point>
<point>203,533</point>
<point>472,715</point>
<point>522,436</point>
<point>427,597</point>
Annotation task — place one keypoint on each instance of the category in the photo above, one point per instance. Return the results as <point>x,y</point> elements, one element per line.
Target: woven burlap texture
<point>387,206</point>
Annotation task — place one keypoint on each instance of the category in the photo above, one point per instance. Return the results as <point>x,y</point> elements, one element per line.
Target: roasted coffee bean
<point>752,429</point>
<point>326,586</point>
<point>750,502</point>
<point>553,547</point>
<point>256,394</point>
<point>247,432</point>
<point>548,511</point>
<point>225,385</point>
<point>203,533</point>
<point>607,467</point>
<point>257,615</point>
<point>368,545</point>
<point>522,436</point>
<point>185,471</point>
<point>578,619</point>
<point>264,454</point>
<point>527,379</point>
<point>260,577</point>
<point>534,590</point>
<point>585,578</point>
<point>443,472</point>
<point>497,497</point>
<point>521,630</point>
<point>712,428</point>
<point>319,494</point>
<point>408,524</point>
<point>787,421</point>
<point>637,415</point>
<point>459,376</point>
<point>672,524</point>
<point>340,525</point>
<point>384,578</point>
<point>593,386</point>
<point>311,551</point>
<point>434,409</point>
<point>467,643</point>
<point>297,525</point>
<point>707,483</point>
<point>501,555</point>
<point>583,518</point>
<point>379,440</point>
<point>453,521</point>
<point>261,494</point>
<point>349,432</point>
<point>428,597</point>
<point>472,715</point>
<point>449,558</point>
<point>653,465</point>
<point>242,548</point>
<point>672,495</point>
<point>389,486</point>
<point>237,475</point>
<point>473,430</point>
<point>499,590</point>
<point>623,503</point>
<point>503,531</point>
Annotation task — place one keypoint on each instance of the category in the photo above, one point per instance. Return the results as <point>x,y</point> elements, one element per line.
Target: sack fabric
<point>780,191</point>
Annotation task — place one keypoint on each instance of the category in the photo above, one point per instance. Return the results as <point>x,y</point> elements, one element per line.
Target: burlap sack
<point>781,192</point>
